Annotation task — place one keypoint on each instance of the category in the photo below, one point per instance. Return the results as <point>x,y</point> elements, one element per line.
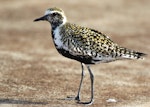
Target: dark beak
<point>43,18</point>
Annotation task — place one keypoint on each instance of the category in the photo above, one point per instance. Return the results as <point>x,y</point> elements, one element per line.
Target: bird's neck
<point>55,26</point>
<point>56,35</point>
<point>56,30</point>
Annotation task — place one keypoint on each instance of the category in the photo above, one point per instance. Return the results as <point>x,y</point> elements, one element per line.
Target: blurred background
<point>33,73</point>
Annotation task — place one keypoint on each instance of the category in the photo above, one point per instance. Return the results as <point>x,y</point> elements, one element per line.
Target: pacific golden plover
<point>85,45</point>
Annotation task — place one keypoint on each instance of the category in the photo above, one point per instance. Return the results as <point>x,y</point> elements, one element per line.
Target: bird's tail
<point>130,54</point>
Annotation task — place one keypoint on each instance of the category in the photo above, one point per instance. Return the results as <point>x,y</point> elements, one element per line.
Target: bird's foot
<point>77,98</point>
<point>72,98</point>
<point>86,103</point>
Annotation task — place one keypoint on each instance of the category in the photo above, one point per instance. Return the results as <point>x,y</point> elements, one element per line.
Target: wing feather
<point>88,42</point>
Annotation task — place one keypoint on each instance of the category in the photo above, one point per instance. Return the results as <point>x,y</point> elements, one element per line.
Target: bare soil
<point>32,73</point>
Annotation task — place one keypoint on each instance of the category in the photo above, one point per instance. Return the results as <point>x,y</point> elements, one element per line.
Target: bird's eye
<point>54,14</point>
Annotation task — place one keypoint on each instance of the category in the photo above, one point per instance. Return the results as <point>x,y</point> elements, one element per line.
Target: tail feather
<point>140,55</point>
<point>130,54</point>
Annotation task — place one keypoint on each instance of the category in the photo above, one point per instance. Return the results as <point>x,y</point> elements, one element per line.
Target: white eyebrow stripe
<point>50,12</point>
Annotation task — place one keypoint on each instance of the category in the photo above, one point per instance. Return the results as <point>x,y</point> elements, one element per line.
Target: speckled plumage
<point>91,45</point>
<point>85,45</point>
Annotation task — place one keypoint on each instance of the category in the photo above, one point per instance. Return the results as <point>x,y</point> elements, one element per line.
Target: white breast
<point>58,39</point>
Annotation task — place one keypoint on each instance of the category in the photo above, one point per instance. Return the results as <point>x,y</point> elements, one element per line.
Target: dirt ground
<point>33,74</point>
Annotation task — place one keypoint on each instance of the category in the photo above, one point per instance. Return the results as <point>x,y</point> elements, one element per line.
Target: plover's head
<point>55,16</point>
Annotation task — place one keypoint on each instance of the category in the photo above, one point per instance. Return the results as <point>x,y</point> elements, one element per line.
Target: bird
<point>85,45</point>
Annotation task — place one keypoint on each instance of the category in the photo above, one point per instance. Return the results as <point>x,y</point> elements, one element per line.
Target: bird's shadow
<point>14,101</point>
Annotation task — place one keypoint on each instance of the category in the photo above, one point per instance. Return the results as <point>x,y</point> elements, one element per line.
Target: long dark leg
<point>92,85</point>
<point>92,88</point>
<point>82,75</point>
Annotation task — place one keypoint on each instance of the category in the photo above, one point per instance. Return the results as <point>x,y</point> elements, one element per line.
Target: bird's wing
<point>87,42</point>
<point>94,45</point>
